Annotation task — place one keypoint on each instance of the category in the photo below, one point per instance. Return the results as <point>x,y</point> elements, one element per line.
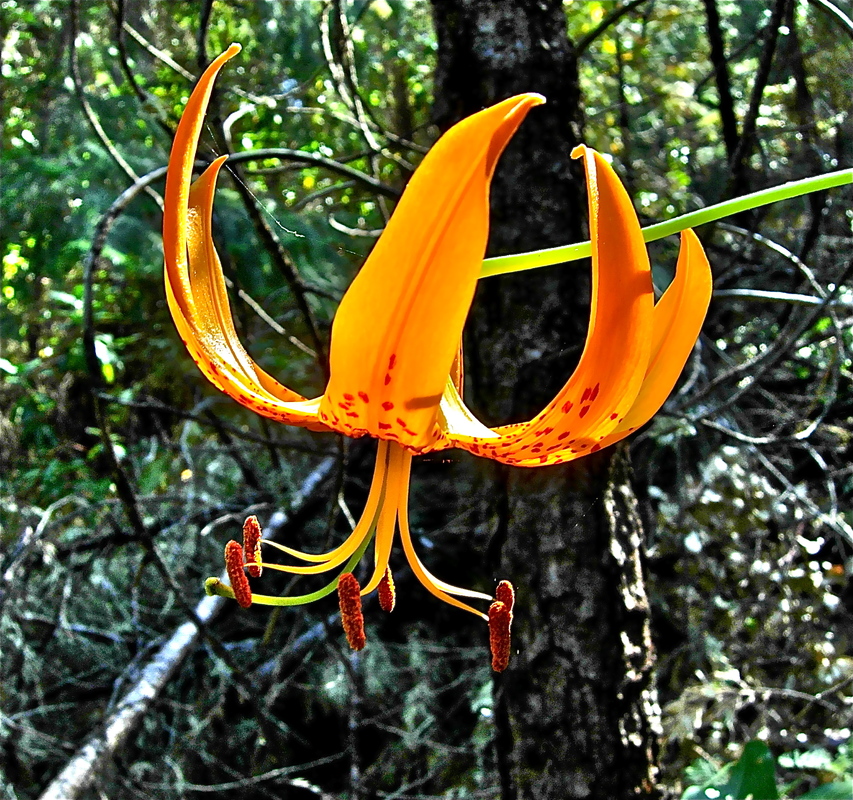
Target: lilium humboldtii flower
<point>395,346</point>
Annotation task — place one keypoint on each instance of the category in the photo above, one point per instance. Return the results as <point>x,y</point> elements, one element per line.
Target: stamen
<point>387,595</point>
<point>505,593</point>
<point>500,619</point>
<point>234,568</point>
<point>349,597</point>
<point>252,545</point>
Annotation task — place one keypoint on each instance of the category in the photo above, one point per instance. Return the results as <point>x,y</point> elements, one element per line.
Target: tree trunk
<point>575,717</point>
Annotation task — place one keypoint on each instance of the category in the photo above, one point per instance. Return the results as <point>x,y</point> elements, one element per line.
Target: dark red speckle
<point>583,411</point>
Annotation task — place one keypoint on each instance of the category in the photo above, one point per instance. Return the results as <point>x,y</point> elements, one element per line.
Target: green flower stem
<point>213,586</point>
<point>556,255</point>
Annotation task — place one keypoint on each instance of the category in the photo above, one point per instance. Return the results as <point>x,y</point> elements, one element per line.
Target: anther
<point>506,594</point>
<point>234,568</point>
<point>387,595</point>
<point>349,597</point>
<point>252,545</point>
<point>500,619</point>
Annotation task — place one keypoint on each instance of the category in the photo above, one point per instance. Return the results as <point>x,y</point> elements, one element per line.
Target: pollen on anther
<point>234,568</point>
<point>252,546</point>
<point>387,595</point>
<point>506,594</point>
<point>349,598</point>
<point>500,619</point>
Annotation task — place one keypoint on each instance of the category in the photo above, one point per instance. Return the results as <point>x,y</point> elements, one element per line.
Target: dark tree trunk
<point>574,712</point>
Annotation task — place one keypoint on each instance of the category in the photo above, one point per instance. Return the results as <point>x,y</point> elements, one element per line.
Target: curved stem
<point>572,252</point>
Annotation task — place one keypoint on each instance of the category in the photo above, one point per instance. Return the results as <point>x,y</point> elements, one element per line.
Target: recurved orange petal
<point>606,382</point>
<point>678,319</point>
<point>195,287</point>
<point>398,328</point>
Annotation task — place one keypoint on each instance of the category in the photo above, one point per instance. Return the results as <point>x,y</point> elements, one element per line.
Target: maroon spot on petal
<point>344,406</point>
<point>543,459</point>
<point>586,393</point>
<point>387,405</point>
<point>563,435</point>
<point>594,393</point>
<point>584,411</point>
<point>348,396</point>
<point>387,378</point>
<point>567,406</point>
<point>595,448</point>
<point>401,422</point>
<point>384,426</point>
<point>352,414</point>
<point>547,431</point>
<point>392,361</point>
<point>584,446</point>
<point>364,397</point>
<point>613,416</point>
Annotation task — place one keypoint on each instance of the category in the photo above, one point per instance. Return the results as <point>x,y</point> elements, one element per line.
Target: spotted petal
<point>397,331</point>
<point>616,354</point>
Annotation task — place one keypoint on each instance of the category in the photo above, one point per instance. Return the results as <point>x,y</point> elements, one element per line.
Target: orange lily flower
<point>396,336</point>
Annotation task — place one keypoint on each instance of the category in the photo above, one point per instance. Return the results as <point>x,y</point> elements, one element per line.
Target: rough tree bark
<point>575,715</point>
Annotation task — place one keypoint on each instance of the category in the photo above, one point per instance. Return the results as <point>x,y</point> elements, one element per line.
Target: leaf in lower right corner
<point>841,790</point>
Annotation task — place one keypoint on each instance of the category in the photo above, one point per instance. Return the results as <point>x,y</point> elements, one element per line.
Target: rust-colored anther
<point>252,545</point>
<point>387,595</point>
<point>349,597</point>
<point>500,619</point>
<point>234,568</point>
<point>506,594</point>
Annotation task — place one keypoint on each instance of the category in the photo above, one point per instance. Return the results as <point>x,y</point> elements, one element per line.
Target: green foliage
<point>753,776</point>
